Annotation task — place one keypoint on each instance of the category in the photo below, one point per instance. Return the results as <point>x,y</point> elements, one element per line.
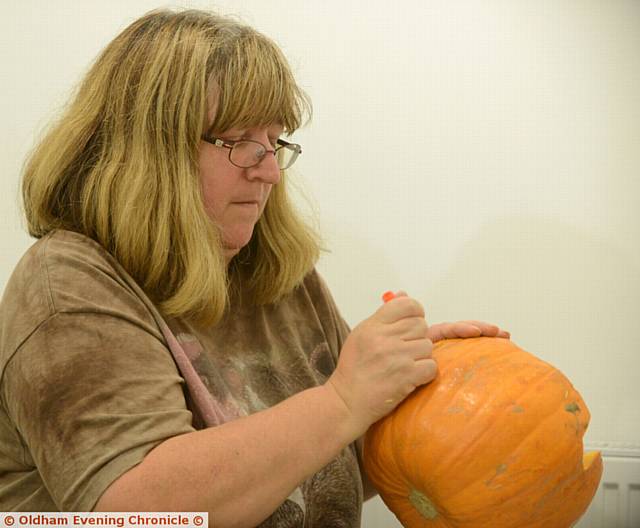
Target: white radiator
<point>616,504</point>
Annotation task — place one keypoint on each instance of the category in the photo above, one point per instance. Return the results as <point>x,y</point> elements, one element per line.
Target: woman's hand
<point>383,360</point>
<point>440,331</point>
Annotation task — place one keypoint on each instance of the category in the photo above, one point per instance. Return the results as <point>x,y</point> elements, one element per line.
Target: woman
<point>167,344</point>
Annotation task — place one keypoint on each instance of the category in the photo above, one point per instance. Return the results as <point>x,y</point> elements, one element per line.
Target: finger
<point>442,331</point>
<point>399,308</point>
<point>418,349</point>
<point>486,328</point>
<point>425,372</point>
<point>409,328</point>
<point>489,329</point>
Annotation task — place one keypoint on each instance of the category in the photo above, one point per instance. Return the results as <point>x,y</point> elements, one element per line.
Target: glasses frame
<point>229,144</point>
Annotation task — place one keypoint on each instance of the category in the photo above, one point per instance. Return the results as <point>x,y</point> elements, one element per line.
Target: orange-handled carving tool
<point>387,296</point>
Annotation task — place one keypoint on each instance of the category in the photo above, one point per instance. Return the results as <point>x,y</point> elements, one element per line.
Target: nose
<point>267,170</point>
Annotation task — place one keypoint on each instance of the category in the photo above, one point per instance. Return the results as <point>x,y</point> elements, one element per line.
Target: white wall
<point>482,155</point>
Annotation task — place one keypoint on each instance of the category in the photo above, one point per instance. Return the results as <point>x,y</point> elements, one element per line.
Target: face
<point>234,197</point>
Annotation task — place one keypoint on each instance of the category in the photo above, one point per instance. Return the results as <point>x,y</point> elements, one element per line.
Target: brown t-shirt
<point>89,386</point>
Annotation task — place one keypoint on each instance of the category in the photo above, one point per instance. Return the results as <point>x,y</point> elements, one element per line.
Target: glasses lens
<point>287,155</point>
<point>247,153</point>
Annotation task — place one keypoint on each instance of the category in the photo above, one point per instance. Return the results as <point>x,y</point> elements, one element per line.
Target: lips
<point>252,206</point>
<point>248,200</point>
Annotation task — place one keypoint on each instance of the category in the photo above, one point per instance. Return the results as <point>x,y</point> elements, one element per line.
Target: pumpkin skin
<point>494,441</point>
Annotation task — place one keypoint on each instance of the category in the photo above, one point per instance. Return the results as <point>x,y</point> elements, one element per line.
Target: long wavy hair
<point>120,165</point>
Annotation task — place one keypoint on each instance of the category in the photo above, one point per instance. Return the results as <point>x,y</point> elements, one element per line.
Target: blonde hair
<point>121,163</point>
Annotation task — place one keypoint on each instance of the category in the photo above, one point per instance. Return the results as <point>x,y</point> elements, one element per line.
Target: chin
<point>231,249</point>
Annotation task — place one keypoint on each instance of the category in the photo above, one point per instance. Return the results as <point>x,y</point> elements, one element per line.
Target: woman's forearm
<point>241,471</point>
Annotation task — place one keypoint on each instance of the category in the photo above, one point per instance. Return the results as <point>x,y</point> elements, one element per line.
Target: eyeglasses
<point>248,153</point>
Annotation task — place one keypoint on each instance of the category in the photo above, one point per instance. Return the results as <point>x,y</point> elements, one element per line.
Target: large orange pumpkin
<point>495,441</point>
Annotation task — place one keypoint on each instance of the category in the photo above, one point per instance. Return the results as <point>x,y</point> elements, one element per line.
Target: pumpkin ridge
<point>417,496</point>
<point>514,454</point>
<point>398,461</point>
<point>385,433</point>
<point>454,453</point>
<point>515,499</point>
<point>523,490</point>
<point>554,462</point>
<point>544,520</point>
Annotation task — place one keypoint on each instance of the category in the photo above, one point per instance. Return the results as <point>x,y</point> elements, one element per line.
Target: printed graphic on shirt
<point>249,379</point>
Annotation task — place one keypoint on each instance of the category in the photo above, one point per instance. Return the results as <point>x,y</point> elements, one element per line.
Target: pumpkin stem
<point>423,505</point>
